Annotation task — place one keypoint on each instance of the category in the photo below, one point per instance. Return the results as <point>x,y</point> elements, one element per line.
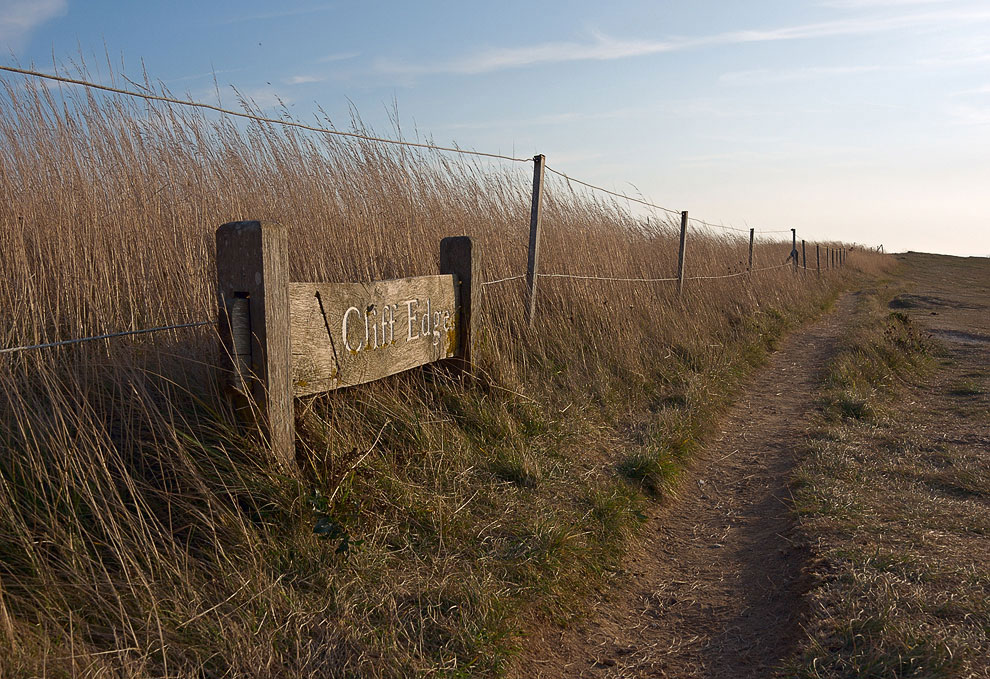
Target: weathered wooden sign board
<point>344,334</point>
<point>283,340</point>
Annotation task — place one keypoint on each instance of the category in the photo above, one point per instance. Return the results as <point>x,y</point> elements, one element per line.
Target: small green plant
<point>326,527</point>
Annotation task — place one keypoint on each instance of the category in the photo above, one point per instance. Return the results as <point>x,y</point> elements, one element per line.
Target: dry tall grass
<point>141,534</point>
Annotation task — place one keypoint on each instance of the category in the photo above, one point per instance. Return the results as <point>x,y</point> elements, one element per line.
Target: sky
<point>861,120</point>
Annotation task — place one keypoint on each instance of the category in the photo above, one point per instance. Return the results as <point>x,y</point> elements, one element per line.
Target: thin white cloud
<point>763,76</point>
<point>200,76</point>
<point>872,4</point>
<point>266,16</point>
<point>340,56</point>
<point>305,79</point>
<point>957,58</point>
<point>264,98</point>
<point>605,48</point>
<point>983,89</point>
<point>969,115</point>
<point>553,119</point>
<point>19,18</point>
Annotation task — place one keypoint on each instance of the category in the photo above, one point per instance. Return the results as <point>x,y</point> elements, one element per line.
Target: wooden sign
<point>344,334</point>
<point>283,340</point>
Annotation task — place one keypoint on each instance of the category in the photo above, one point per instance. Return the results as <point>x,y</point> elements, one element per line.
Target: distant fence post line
<point>680,253</point>
<point>752,234</point>
<point>284,340</point>
<point>532,264</point>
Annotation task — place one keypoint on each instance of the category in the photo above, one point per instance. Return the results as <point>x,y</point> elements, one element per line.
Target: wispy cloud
<point>305,79</point>
<point>974,53</point>
<point>200,76</point>
<point>969,115</point>
<point>264,98</point>
<point>18,18</point>
<point>265,16</point>
<point>605,48</point>
<point>983,89</point>
<point>602,48</point>
<point>872,4</point>
<point>552,119</point>
<point>762,76</point>
<point>340,56</point>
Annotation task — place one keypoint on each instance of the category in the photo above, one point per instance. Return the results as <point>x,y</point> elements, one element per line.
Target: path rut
<point>715,587</point>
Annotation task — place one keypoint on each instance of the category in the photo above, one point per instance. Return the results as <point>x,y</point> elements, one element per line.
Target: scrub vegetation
<point>894,487</point>
<point>143,533</point>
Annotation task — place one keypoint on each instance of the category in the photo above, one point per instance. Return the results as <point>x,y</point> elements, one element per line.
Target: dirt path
<point>715,588</point>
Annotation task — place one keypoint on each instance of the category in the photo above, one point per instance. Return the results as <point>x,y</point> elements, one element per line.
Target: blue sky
<point>865,120</point>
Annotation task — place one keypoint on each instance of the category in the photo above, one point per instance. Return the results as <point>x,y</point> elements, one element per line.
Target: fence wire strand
<point>669,211</point>
<point>12,350</point>
<point>637,280</point>
<point>611,193</point>
<point>249,116</point>
<point>197,324</point>
<point>607,278</point>
<point>356,135</point>
<point>503,280</point>
<point>718,226</point>
<point>382,140</point>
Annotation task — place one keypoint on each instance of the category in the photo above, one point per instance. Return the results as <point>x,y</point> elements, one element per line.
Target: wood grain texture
<point>344,334</point>
<point>252,264</point>
<point>533,258</point>
<point>681,250</point>
<point>457,258</point>
<point>752,233</point>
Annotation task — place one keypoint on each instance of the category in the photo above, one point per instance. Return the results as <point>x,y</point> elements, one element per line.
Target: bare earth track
<point>715,588</point>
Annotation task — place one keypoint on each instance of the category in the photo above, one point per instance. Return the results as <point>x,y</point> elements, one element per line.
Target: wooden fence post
<point>752,232</point>
<point>818,259</point>
<point>532,266</point>
<point>794,252</point>
<point>804,256</point>
<point>457,257</point>
<point>253,284</point>
<point>680,253</point>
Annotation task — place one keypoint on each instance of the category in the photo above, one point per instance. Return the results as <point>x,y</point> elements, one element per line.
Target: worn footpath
<point>715,586</point>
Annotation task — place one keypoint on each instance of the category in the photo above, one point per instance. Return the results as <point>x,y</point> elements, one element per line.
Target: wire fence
<point>612,193</point>
<point>353,135</point>
<point>198,324</point>
<point>256,118</point>
<point>125,333</point>
<point>398,142</point>
<point>615,279</point>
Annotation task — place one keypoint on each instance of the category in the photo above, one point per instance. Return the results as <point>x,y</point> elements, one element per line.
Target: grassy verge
<point>893,496</point>
<point>143,534</point>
